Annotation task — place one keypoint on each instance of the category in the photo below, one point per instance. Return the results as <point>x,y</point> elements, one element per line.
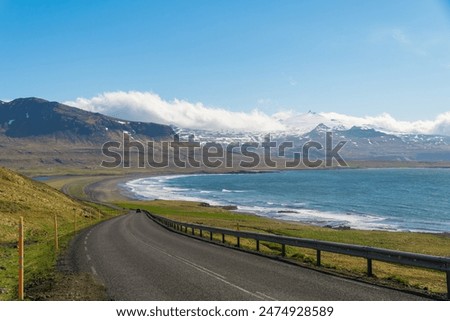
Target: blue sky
<point>360,58</point>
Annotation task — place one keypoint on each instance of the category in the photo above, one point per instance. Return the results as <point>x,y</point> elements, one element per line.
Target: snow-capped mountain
<point>303,123</point>
<point>363,142</point>
<point>38,122</point>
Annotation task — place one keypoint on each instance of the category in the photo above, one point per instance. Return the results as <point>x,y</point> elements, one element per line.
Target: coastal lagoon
<point>372,199</point>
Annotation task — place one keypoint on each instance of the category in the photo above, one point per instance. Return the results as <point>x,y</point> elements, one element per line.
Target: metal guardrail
<point>437,263</point>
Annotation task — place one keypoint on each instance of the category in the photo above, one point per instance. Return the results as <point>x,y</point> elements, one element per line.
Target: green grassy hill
<point>38,204</point>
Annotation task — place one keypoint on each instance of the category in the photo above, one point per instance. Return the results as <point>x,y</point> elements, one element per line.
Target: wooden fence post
<point>74,221</point>
<point>21,259</point>
<point>56,234</point>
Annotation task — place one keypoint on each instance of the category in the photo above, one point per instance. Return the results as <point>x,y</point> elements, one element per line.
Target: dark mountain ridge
<point>35,117</point>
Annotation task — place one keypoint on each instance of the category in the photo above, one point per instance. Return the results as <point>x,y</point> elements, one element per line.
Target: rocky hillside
<point>34,117</point>
<point>36,133</point>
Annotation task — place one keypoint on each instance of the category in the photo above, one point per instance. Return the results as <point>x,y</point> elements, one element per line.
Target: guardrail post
<point>210,236</point>
<point>201,233</point>
<point>257,245</point>
<point>193,231</point>
<point>318,258</point>
<point>223,238</point>
<point>283,250</point>
<point>448,285</point>
<point>369,267</point>
<point>238,244</point>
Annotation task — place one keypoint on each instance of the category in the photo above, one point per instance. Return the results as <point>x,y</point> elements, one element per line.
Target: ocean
<point>414,200</point>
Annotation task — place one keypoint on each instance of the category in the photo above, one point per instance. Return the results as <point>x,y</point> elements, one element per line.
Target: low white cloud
<point>149,107</point>
<point>385,122</point>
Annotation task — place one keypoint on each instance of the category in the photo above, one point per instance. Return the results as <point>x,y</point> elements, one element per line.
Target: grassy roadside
<point>385,273</point>
<point>42,279</point>
<point>53,281</point>
<point>38,204</point>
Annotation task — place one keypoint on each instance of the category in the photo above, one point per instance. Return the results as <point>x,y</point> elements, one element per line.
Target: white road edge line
<point>266,296</point>
<point>93,270</point>
<point>196,265</point>
<point>214,275</point>
<point>201,269</point>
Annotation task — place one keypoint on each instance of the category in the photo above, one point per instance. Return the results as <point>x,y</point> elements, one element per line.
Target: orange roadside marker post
<point>56,234</point>
<point>21,259</point>
<point>74,221</point>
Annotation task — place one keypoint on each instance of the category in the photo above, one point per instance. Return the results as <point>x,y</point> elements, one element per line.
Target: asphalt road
<point>137,259</point>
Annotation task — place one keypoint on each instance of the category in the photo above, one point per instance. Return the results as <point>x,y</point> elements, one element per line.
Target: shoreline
<point>109,190</point>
